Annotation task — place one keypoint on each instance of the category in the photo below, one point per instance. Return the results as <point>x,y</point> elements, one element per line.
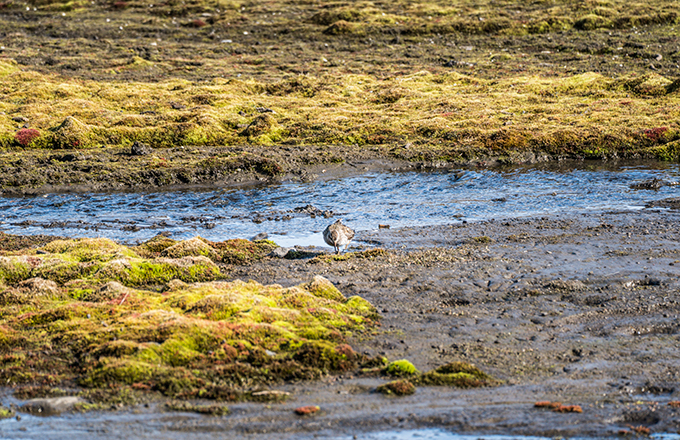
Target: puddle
<point>364,202</point>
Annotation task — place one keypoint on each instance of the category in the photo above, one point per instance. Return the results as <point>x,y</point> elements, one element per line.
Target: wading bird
<point>337,235</point>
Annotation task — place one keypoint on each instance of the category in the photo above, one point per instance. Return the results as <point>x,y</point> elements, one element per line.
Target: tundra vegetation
<point>118,322</point>
<point>132,93</point>
<point>224,88</point>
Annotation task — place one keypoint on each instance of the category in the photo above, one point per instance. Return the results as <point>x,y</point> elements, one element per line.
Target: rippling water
<point>397,199</point>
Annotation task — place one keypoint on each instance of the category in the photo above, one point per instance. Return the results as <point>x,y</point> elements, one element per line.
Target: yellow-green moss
<point>6,413</point>
<point>195,339</point>
<point>458,374</point>
<point>401,367</point>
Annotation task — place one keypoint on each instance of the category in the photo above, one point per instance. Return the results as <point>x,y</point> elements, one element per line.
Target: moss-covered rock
<point>6,413</point>
<point>72,133</point>
<point>194,247</point>
<point>323,288</point>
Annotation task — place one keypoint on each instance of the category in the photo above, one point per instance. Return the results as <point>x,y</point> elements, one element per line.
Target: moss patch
<point>401,367</point>
<point>399,387</point>
<point>95,318</point>
<point>458,374</point>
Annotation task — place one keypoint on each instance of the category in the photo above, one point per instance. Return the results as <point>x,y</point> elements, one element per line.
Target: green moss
<point>592,21</point>
<point>154,247</point>
<point>121,371</point>
<point>6,413</point>
<point>190,248</point>
<point>213,410</point>
<point>323,288</point>
<point>198,338</point>
<point>482,240</point>
<point>72,133</point>
<point>458,374</point>
<point>401,387</point>
<point>7,67</point>
<point>401,367</point>
<point>16,268</point>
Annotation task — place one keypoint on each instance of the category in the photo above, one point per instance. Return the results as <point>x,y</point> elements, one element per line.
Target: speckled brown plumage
<point>337,235</point>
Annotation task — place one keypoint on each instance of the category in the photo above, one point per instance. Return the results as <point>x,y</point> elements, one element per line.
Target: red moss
<point>655,134</point>
<point>399,387</point>
<point>641,430</point>
<point>306,410</point>
<point>547,404</point>
<point>26,135</point>
<point>568,409</point>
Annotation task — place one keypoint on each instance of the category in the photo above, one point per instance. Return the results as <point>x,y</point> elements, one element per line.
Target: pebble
<point>280,252</point>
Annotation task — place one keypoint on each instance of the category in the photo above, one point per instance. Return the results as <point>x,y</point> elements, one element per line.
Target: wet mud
<point>578,309</point>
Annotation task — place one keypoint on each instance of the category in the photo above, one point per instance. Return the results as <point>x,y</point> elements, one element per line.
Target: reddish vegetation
<point>547,404</point>
<point>656,133</point>
<point>306,410</point>
<point>569,408</point>
<point>26,135</point>
<point>641,430</point>
<point>674,403</point>
<point>558,407</point>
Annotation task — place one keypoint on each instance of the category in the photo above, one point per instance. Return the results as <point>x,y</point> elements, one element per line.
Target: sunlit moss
<point>193,339</point>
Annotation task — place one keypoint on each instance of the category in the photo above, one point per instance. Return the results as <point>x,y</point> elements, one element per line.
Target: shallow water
<point>119,425</point>
<point>363,202</point>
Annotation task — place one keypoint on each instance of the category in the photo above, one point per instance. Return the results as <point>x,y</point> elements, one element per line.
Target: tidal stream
<point>283,210</point>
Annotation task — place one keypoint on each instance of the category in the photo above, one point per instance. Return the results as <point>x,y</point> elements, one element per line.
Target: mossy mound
<point>95,318</point>
<point>6,413</point>
<point>458,374</point>
<point>399,387</point>
<point>233,251</point>
<point>69,263</point>
<point>401,367</point>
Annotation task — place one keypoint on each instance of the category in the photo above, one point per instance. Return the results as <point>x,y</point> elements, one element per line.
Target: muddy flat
<point>578,309</point>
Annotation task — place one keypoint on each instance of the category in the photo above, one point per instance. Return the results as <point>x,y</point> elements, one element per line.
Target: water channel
<point>363,201</point>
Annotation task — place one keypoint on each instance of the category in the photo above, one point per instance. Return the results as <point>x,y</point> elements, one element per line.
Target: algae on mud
<point>96,314</point>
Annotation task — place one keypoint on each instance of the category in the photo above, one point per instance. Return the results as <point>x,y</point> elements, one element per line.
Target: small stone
<point>51,406</point>
<point>20,119</point>
<point>140,149</point>
<point>260,236</point>
<point>279,252</point>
